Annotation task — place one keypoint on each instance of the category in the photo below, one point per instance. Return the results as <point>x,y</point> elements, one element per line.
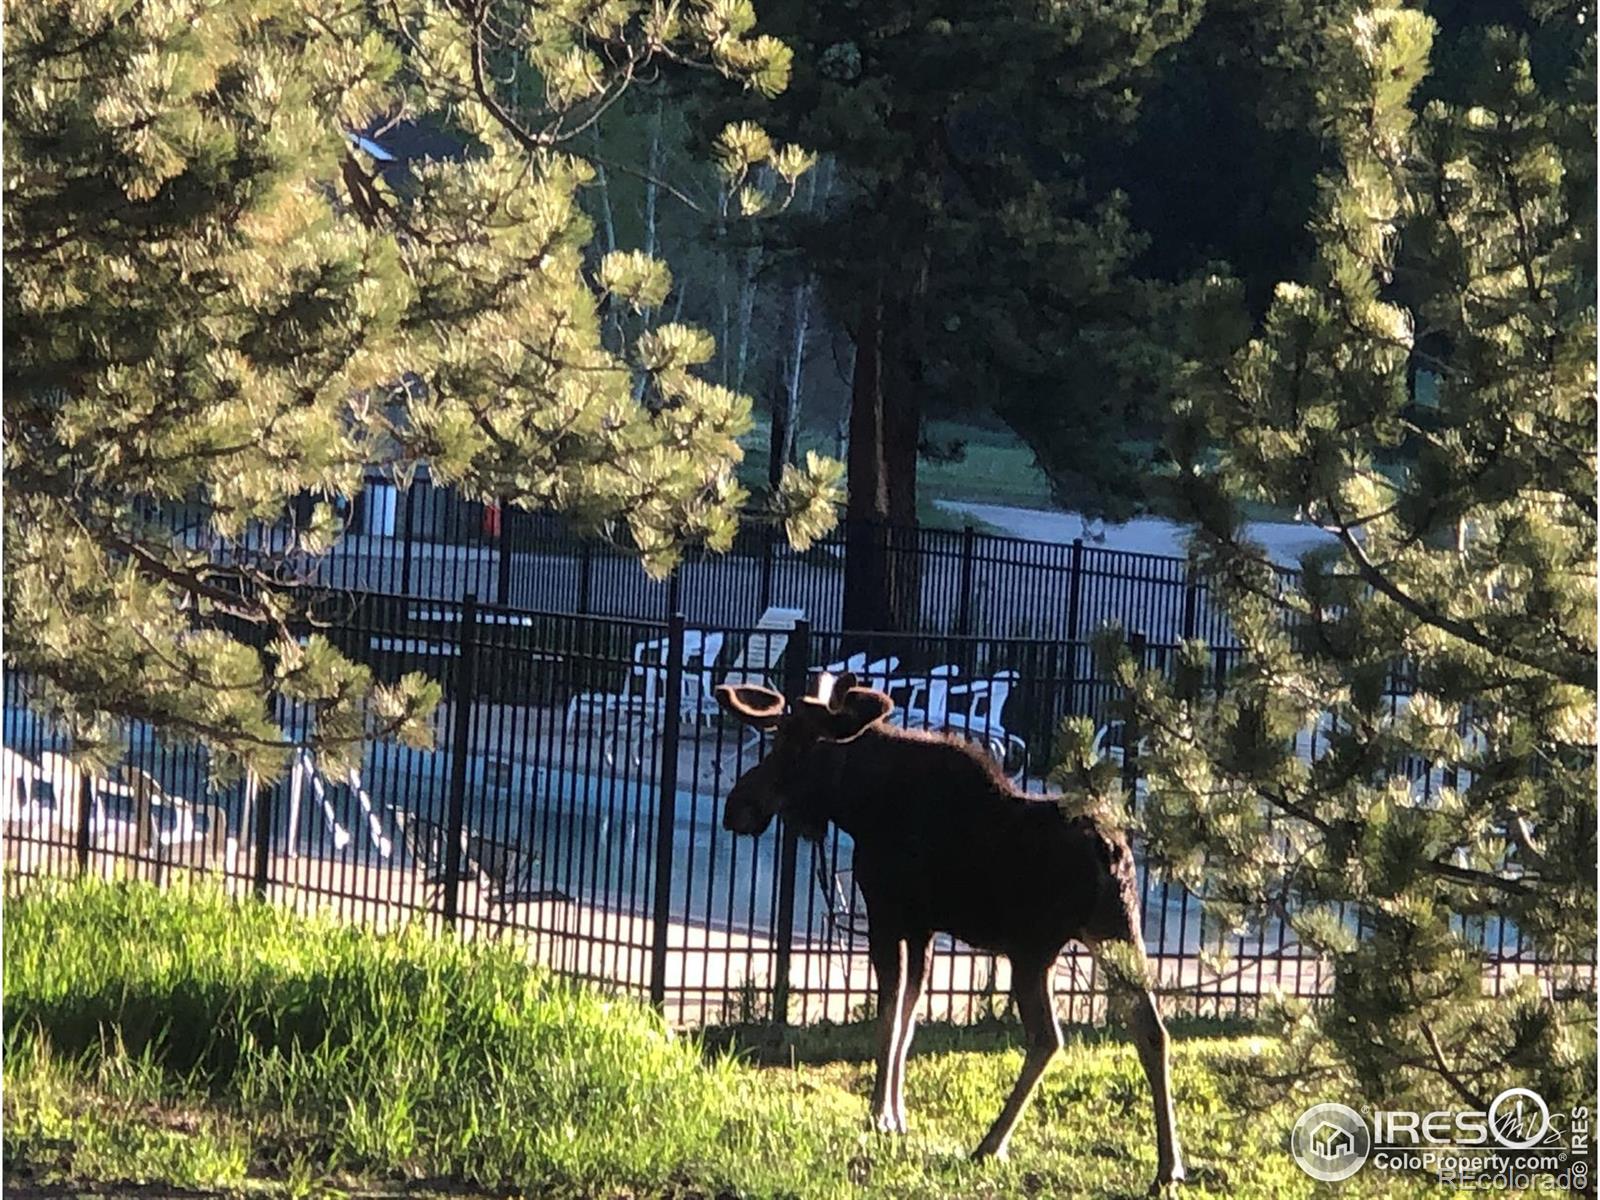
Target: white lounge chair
<point>876,674</point>
<point>981,719</point>
<point>929,699</point>
<point>308,777</point>
<point>758,659</point>
<point>757,663</point>
<point>199,833</point>
<point>65,780</point>
<point>648,674</point>
<point>18,773</point>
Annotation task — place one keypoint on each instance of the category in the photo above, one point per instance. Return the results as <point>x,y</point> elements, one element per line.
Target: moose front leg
<point>1128,990</point>
<point>915,972</point>
<point>1150,1038</point>
<point>888,955</point>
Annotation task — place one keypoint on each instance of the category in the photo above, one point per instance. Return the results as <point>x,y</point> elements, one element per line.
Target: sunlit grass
<point>194,1042</point>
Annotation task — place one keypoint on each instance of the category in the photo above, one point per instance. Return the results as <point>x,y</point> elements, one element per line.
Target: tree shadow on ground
<point>857,1041</point>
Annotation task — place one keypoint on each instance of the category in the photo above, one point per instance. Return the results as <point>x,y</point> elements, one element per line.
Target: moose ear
<point>831,687</point>
<point>848,714</point>
<point>758,707</point>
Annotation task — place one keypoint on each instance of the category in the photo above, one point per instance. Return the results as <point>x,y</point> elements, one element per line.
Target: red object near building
<point>491,520</point>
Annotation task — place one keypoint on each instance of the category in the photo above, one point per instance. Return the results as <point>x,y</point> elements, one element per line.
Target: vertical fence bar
<point>1191,602</point>
<point>797,672</point>
<point>964,595</point>
<point>85,816</point>
<point>408,521</point>
<point>502,583</point>
<point>585,575</point>
<point>263,839</point>
<point>1130,726</point>
<point>1074,621</point>
<point>666,805</point>
<point>460,753</point>
<point>1075,591</point>
<point>767,550</point>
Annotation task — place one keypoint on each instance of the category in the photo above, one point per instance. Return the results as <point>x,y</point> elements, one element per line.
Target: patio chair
<point>648,672</point>
<point>929,699</point>
<point>877,674</point>
<point>505,871</point>
<point>199,833</point>
<point>64,780</point>
<point>306,775</point>
<point>845,910</point>
<point>757,662</point>
<point>981,720</point>
<point>19,772</point>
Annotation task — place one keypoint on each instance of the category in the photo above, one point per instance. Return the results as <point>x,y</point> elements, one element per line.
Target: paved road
<point>1144,535</point>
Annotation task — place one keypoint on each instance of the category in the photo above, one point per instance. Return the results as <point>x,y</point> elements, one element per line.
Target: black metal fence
<point>429,541</point>
<point>573,794</point>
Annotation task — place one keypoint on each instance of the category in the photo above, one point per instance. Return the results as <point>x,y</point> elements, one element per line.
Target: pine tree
<point>964,252</point>
<point>214,298</point>
<point>1428,395</point>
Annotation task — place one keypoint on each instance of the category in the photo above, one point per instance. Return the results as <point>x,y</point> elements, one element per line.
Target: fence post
<point>666,804</point>
<point>465,685</point>
<point>964,599</point>
<point>797,673</point>
<point>585,575</point>
<point>502,583</point>
<point>1130,728</point>
<point>1075,590</point>
<point>1191,602</point>
<point>407,520</point>
<point>85,816</point>
<point>263,835</point>
<point>1074,619</point>
<point>767,537</point>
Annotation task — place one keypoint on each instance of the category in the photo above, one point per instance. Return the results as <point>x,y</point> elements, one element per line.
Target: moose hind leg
<point>1036,1007</point>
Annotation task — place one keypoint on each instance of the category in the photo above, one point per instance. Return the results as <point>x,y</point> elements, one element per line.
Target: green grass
<point>996,468</point>
<point>187,1041</point>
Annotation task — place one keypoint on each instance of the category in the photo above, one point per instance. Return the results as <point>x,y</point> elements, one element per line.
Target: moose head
<point>803,753</point>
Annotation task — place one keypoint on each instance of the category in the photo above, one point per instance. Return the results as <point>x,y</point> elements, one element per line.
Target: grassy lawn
<point>995,469</point>
<point>189,1042</point>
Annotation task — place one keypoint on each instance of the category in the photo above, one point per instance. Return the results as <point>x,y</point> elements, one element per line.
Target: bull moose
<point>944,843</point>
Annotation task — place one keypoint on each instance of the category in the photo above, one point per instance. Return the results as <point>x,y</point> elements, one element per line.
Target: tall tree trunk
<point>883,576</point>
<point>782,435</point>
<point>747,307</point>
<point>641,379</point>
<point>866,592</point>
<point>608,227</point>
<point>818,186</point>
<point>652,173</point>
<point>792,367</point>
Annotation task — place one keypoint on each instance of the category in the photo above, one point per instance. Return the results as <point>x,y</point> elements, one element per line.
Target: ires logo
<point>1517,1119</point>
<point>1514,1143</point>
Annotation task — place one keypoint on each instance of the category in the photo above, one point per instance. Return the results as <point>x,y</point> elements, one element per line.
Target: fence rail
<point>428,541</point>
<point>573,794</point>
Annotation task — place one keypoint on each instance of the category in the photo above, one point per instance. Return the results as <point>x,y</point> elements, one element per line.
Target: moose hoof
<point>1166,1185</point>
<point>888,1123</point>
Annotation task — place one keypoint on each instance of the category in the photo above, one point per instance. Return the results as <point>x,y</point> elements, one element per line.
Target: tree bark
<point>882,573</point>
